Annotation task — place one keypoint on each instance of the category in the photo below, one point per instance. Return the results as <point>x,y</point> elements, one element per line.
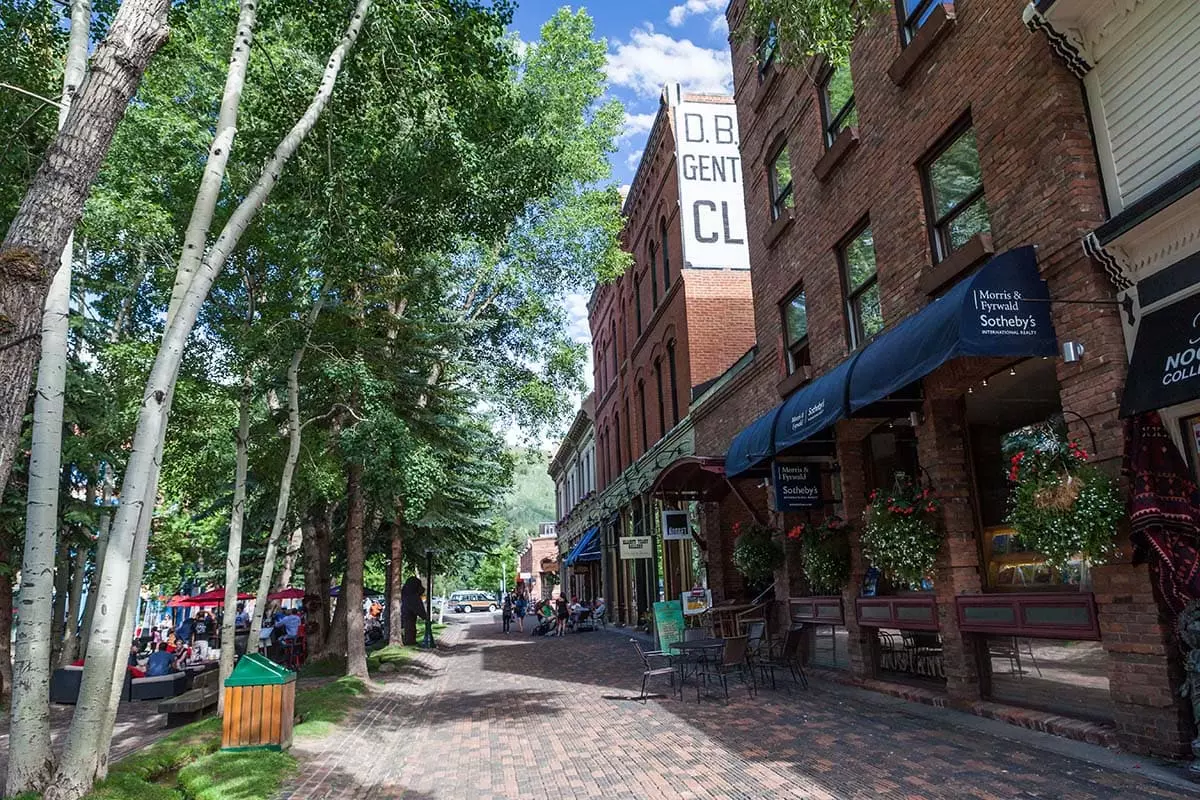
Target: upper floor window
<point>652,275</point>
<point>780,183</point>
<point>642,414</point>
<point>674,385</point>
<point>612,326</point>
<point>637,302</point>
<point>768,49</point>
<point>913,14</point>
<point>837,102</point>
<point>863,312</point>
<point>666,254</point>
<point>628,431</point>
<point>954,186</point>
<point>662,417</point>
<point>795,331</point>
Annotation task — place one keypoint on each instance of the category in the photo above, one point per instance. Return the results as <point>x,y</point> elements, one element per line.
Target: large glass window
<point>863,312</point>
<point>780,183</point>
<point>768,49</point>
<point>837,103</point>
<point>795,331</point>
<point>955,187</point>
<point>913,14</point>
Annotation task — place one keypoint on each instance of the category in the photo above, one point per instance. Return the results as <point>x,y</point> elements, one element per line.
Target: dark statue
<point>411,608</point>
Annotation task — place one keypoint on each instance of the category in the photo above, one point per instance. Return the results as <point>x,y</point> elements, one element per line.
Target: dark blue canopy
<point>753,445</point>
<point>815,407</point>
<point>586,549</point>
<point>988,314</point>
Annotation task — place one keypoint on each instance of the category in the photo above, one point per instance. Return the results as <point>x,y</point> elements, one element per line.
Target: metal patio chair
<point>650,671</point>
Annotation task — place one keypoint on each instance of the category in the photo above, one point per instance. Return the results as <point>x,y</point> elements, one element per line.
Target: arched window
<point>652,274</point>
<point>674,386</point>
<point>666,254</point>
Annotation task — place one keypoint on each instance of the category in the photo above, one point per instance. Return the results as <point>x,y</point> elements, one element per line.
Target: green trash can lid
<point>256,670</point>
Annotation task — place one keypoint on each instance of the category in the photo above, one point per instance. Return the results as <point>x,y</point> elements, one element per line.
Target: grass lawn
<point>321,708</point>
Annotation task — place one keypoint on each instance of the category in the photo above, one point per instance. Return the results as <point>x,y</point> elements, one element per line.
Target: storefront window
<point>1067,677</point>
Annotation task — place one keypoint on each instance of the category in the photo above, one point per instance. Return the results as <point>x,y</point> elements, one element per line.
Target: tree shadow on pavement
<point>494,706</point>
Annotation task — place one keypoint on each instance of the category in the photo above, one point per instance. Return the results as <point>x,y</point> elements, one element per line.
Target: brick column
<point>941,445</point>
<point>1144,666</point>
<point>862,643</point>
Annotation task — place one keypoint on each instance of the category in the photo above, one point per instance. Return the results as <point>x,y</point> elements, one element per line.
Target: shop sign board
<point>668,624</point>
<point>1165,367</point>
<point>797,485</point>
<point>697,601</point>
<point>676,526</point>
<point>636,547</point>
<point>711,197</point>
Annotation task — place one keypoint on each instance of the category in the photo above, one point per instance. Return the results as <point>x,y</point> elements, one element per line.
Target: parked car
<point>466,602</point>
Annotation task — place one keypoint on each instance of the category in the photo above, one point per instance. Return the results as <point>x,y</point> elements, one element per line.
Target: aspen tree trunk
<point>396,579</point>
<point>6,618</point>
<point>336,643</point>
<point>70,645</point>
<point>89,609</point>
<point>30,760</point>
<point>289,464</point>
<point>352,587</point>
<point>316,578</point>
<point>290,554</point>
<point>234,555</point>
<point>32,248</point>
<point>127,542</point>
<point>58,611</point>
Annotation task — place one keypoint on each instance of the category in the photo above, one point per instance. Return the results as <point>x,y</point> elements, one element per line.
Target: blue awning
<point>753,445</point>
<point>988,315</point>
<point>588,538</point>
<point>815,407</point>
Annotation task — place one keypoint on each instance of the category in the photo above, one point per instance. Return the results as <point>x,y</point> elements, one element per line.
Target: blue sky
<point>650,43</point>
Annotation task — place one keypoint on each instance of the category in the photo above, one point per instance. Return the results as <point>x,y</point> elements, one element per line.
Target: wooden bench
<point>194,703</point>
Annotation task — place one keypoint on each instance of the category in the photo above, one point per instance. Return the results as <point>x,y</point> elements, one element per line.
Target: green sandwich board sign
<point>668,623</point>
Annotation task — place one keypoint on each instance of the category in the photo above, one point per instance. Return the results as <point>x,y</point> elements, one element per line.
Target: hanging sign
<point>1165,367</point>
<point>675,526</point>
<point>636,547</point>
<point>797,485</point>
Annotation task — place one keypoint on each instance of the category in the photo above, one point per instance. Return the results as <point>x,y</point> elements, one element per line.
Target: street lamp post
<point>428,641</point>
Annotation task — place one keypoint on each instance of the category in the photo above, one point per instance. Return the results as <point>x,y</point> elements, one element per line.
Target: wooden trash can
<point>260,702</point>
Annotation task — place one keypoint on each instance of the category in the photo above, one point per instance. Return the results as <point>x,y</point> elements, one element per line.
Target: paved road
<point>495,716</point>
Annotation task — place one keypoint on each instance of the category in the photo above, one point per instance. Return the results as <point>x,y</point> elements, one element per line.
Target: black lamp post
<point>428,641</point>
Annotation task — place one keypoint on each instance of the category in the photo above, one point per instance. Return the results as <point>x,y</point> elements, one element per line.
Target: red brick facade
<point>1041,184</point>
<point>702,320</point>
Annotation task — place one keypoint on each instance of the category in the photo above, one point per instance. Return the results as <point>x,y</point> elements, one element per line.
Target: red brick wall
<point>1042,187</point>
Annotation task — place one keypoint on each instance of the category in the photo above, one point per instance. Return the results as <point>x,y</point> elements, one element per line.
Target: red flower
<point>931,508</point>
<point>796,532</point>
<point>873,495</point>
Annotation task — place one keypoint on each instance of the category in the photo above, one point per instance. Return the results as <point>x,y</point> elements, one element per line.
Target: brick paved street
<point>490,716</point>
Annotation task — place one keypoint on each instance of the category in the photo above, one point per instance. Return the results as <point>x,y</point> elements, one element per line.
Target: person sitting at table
<point>599,607</point>
<point>161,662</point>
<point>171,643</point>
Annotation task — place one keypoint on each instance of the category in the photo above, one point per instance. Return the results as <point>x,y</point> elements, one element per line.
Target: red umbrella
<point>179,601</point>
<point>214,597</point>
<point>290,593</point>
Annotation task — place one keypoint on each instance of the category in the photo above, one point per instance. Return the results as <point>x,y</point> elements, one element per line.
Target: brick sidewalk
<point>495,716</point>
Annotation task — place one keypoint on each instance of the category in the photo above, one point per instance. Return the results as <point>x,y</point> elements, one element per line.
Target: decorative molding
<point>1064,45</point>
<point>1117,269</point>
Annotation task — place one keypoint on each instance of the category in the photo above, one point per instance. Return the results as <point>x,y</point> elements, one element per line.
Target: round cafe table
<point>700,648</point>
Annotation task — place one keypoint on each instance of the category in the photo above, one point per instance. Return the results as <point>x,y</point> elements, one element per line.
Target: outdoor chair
<point>733,662</point>
<point>788,658</point>
<point>925,652</point>
<point>650,671</point>
<point>1009,647</point>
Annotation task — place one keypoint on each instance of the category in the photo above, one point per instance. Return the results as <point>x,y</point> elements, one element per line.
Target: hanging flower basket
<point>825,553</point>
<point>1062,507</point>
<point>901,535</point>
<point>756,554</point>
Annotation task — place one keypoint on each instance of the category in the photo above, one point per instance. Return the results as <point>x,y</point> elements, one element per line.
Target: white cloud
<point>577,318</point>
<point>637,123</point>
<point>681,12</point>
<point>633,159</point>
<point>649,60</point>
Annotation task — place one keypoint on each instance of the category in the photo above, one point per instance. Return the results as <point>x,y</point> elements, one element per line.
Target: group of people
<point>554,617</point>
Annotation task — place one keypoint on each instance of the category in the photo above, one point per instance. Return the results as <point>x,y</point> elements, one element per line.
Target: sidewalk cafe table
<point>696,652</point>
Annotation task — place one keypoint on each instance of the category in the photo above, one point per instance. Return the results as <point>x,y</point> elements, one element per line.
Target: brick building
<point>905,213</point>
<point>573,470</point>
<point>669,326</point>
<point>537,563</point>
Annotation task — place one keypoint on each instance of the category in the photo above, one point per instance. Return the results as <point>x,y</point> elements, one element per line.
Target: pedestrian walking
<point>506,612</point>
<point>563,613</point>
<point>520,605</point>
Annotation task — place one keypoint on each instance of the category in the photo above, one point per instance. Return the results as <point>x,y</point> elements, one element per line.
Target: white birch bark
<point>89,608</point>
<point>290,556</point>
<point>30,759</point>
<point>289,465</point>
<point>127,545</point>
<point>234,555</point>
